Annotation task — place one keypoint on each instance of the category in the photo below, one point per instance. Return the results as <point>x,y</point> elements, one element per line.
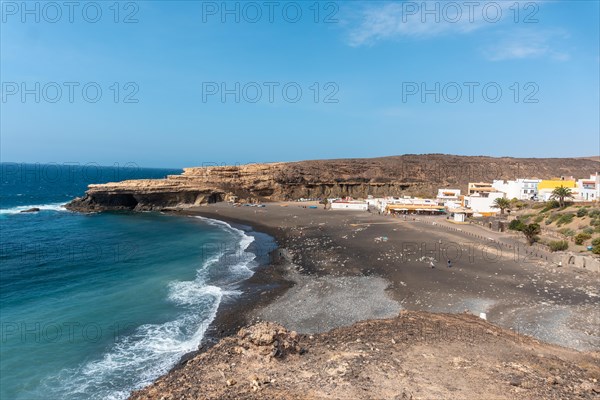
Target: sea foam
<point>152,349</point>
<point>42,207</point>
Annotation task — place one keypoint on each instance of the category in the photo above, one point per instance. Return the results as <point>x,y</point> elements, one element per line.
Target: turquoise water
<point>94,306</point>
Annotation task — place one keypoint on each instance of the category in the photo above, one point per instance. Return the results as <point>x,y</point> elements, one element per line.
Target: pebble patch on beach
<point>318,304</point>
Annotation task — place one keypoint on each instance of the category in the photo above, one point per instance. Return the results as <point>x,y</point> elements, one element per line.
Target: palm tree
<point>531,231</point>
<point>561,193</point>
<point>502,203</point>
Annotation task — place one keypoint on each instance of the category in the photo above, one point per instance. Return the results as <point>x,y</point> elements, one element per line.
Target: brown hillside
<point>399,175</point>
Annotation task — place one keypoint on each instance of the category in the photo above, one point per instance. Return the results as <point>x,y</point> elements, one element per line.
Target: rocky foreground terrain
<point>400,175</point>
<point>416,355</point>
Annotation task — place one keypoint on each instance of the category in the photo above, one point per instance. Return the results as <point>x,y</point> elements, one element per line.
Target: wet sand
<point>336,267</point>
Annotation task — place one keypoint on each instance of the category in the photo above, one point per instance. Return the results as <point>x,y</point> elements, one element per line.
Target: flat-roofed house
<point>483,188</point>
<point>355,205</point>
<point>547,186</point>
<point>483,205</point>
<point>521,189</point>
<point>589,189</point>
<point>448,194</point>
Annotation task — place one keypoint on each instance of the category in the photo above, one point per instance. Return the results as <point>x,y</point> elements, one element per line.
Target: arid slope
<point>416,355</point>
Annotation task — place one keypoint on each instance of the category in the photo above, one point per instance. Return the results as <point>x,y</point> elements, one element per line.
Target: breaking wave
<point>151,350</point>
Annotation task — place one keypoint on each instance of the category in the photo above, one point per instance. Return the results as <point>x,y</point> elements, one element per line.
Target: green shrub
<point>567,232</point>
<point>516,225</point>
<point>553,204</point>
<point>550,205</point>
<point>595,222</point>
<point>595,213</point>
<point>566,218</point>
<point>582,237</point>
<point>538,219</point>
<point>559,245</point>
<point>596,242</point>
<point>588,230</point>
<point>531,233</point>
<point>582,212</point>
<point>551,218</point>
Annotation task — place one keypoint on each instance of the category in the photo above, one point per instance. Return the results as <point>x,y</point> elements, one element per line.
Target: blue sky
<point>362,68</point>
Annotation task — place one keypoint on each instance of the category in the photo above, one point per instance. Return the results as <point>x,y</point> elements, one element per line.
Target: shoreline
<point>263,287</point>
<point>287,355</point>
<point>313,278</point>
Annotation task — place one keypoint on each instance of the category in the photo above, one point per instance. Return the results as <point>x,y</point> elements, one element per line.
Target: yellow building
<point>546,186</point>
<point>552,184</point>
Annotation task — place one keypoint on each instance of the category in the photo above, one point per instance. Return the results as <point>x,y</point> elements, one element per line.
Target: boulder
<point>31,210</point>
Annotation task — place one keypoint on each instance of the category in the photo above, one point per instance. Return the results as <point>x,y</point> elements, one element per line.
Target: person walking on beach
<point>449,264</point>
<point>432,264</point>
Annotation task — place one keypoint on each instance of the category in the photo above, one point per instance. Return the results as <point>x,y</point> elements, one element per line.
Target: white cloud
<point>378,21</point>
<point>425,19</point>
<point>527,44</point>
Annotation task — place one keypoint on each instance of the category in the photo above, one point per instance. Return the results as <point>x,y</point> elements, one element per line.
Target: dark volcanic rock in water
<point>388,176</point>
<point>31,210</point>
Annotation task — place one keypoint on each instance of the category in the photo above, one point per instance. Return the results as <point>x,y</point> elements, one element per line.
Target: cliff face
<point>397,176</point>
<point>194,187</point>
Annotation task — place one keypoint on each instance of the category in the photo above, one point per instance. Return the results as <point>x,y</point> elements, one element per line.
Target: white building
<point>483,204</point>
<point>460,214</point>
<point>350,205</point>
<point>415,201</point>
<point>378,203</point>
<point>589,189</point>
<point>482,188</point>
<point>448,195</point>
<point>521,189</point>
<point>459,217</point>
<point>382,203</point>
<point>449,198</point>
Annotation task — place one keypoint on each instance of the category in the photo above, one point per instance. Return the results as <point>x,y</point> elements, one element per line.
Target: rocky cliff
<point>400,175</point>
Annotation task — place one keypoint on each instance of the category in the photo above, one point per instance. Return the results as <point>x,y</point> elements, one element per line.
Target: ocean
<point>93,306</point>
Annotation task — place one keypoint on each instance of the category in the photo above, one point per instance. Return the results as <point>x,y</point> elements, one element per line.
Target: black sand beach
<point>348,266</point>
